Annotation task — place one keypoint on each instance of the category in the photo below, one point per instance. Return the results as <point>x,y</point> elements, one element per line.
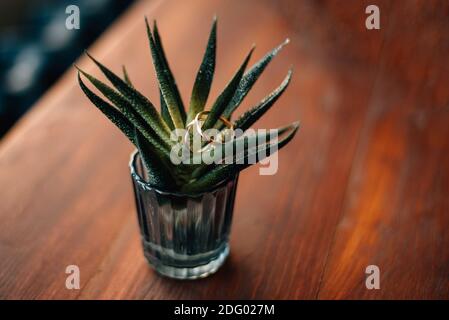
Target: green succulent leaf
<point>138,101</point>
<point>126,109</point>
<point>225,171</point>
<point>110,112</point>
<point>158,174</point>
<point>225,97</point>
<point>160,48</point>
<point>240,145</point>
<point>249,78</point>
<point>251,116</point>
<point>204,77</point>
<point>126,76</point>
<point>165,113</point>
<point>166,80</point>
<point>233,150</point>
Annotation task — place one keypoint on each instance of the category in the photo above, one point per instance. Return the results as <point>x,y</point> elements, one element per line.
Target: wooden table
<point>366,181</point>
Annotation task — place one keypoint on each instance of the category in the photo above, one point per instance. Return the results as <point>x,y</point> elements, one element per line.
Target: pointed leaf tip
<point>250,78</point>
<point>227,94</point>
<point>204,77</point>
<point>155,25</point>
<point>253,114</point>
<point>147,24</point>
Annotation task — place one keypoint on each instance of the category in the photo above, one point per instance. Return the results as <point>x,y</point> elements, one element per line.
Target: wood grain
<point>365,182</point>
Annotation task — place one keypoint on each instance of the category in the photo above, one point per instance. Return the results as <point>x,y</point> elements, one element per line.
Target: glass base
<point>183,236</point>
<point>179,267</point>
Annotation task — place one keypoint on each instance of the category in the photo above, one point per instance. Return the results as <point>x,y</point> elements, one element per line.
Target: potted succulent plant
<point>185,207</point>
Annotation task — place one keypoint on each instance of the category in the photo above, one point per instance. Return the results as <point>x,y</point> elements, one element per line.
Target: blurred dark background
<point>36,47</point>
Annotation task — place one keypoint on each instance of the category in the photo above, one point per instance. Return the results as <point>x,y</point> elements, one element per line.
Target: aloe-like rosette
<point>149,130</point>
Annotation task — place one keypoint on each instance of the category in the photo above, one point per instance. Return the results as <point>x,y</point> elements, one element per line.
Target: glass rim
<point>137,177</point>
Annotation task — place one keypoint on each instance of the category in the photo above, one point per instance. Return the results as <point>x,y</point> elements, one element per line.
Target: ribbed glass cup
<point>183,237</point>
